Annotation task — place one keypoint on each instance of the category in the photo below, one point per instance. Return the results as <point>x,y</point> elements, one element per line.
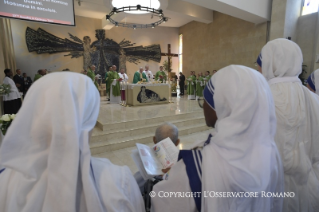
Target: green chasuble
<point>199,86</point>
<point>160,73</point>
<point>115,88</point>
<point>107,82</point>
<point>36,77</point>
<point>91,74</point>
<point>138,77</point>
<point>191,85</point>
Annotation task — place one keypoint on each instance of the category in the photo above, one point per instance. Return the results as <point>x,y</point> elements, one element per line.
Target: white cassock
<point>149,75</point>
<point>52,170</point>
<point>239,156</point>
<point>297,136</point>
<point>124,77</point>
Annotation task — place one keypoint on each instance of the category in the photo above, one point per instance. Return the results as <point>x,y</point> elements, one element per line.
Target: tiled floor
<point>123,157</point>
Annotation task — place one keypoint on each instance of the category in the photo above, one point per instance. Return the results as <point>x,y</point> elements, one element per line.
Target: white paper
<point>148,157</point>
<point>151,161</point>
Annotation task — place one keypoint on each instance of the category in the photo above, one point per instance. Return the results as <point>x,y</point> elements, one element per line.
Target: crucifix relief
<point>169,55</point>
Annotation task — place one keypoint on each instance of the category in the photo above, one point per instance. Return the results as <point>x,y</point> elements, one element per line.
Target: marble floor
<point>114,114</point>
<point>122,157</point>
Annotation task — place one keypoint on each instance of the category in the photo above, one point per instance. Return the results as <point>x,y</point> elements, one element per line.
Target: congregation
<point>264,140</point>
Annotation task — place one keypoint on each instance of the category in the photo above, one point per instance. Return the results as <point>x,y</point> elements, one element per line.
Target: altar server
<point>123,75</point>
<point>239,156</point>
<point>139,76</point>
<point>297,111</point>
<point>148,73</point>
<point>48,164</point>
<point>312,81</point>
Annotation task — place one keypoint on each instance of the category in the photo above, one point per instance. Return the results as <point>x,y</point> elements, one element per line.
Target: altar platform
<point>121,127</point>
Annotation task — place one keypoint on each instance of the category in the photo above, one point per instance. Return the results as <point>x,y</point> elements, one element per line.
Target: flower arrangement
<point>5,122</point>
<point>5,89</point>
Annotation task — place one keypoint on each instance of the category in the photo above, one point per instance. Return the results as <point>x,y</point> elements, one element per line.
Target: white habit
<point>297,136</point>
<point>240,157</point>
<point>48,164</point>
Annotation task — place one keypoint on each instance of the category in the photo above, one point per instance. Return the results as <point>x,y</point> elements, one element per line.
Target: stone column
<point>284,18</point>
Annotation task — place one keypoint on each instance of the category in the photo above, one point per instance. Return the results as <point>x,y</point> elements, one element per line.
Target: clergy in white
<point>239,156</point>
<point>48,163</point>
<point>297,111</point>
<point>148,73</point>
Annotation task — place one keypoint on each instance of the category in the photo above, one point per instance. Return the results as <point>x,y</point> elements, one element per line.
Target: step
<point>100,135</point>
<point>144,122</point>
<point>120,143</point>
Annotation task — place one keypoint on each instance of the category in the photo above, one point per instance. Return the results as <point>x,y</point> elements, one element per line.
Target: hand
<point>166,170</point>
<point>18,85</point>
<point>120,79</point>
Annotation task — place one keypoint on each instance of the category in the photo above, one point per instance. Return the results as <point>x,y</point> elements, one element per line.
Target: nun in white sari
<point>240,156</point>
<point>297,111</point>
<point>312,81</point>
<point>48,163</point>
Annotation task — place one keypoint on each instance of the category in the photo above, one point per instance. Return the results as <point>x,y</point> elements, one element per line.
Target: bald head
<point>167,130</point>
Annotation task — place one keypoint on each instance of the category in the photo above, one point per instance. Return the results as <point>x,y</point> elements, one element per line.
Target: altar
<point>147,94</point>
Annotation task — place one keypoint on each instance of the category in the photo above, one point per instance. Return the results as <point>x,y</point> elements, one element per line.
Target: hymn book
<point>151,160</point>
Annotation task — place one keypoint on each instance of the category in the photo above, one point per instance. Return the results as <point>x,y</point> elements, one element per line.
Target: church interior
<point>196,35</point>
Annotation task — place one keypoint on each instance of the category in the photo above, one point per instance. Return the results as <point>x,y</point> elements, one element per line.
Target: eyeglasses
<point>200,101</point>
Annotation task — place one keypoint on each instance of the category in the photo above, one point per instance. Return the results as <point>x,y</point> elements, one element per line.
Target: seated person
<point>313,81</point>
<point>166,130</point>
<point>240,156</point>
<point>48,164</point>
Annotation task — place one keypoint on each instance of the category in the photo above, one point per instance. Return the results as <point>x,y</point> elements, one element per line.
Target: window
<point>310,6</point>
<point>180,58</point>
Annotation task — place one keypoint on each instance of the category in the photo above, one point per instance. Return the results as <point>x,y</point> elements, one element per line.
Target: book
<point>151,160</point>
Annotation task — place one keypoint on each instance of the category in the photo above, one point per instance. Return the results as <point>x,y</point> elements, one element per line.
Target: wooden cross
<point>169,55</point>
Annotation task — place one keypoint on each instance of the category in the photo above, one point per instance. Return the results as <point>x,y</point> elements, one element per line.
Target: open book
<point>151,160</point>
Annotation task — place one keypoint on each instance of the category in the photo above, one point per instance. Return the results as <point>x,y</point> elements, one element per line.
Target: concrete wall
<point>31,62</point>
<point>226,41</point>
<point>284,18</point>
<point>306,38</point>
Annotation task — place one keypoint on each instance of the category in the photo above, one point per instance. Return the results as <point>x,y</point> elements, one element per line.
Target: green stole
<point>116,88</point>
<point>160,73</point>
<point>191,87</point>
<point>199,88</point>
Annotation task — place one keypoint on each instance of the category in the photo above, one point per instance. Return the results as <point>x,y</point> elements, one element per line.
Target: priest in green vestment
<point>160,75</point>
<point>191,80</point>
<point>115,93</point>
<point>199,85</point>
<point>207,77</point>
<point>40,73</point>
<point>107,81</point>
<point>139,76</point>
<point>91,74</point>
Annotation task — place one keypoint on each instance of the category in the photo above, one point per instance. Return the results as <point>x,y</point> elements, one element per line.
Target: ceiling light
<point>143,3</point>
